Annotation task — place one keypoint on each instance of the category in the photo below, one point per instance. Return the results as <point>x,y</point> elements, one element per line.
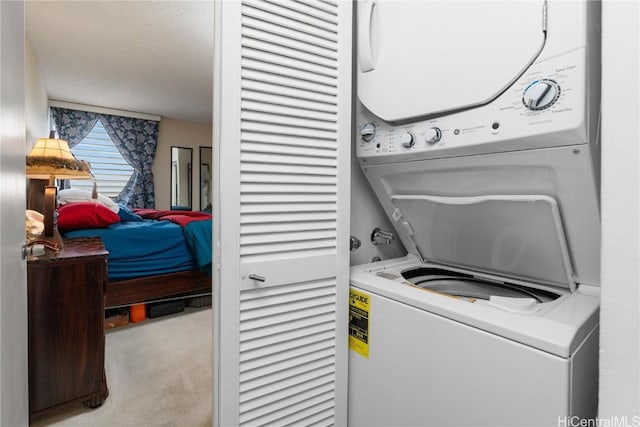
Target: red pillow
<point>85,215</point>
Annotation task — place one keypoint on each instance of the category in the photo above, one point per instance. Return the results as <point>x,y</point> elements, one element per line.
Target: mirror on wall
<point>206,160</point>
<point>181,160</point>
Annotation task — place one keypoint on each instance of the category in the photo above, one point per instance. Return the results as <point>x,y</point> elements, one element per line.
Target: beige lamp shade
<point>51,157</point>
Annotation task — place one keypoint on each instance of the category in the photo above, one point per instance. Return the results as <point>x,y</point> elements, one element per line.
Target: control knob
<point>367,132</point>
<point>407,140</point>
<point>541,94</point>
<point>432,135</point>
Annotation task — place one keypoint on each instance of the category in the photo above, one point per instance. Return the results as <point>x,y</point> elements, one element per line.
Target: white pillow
<point>71,195</point>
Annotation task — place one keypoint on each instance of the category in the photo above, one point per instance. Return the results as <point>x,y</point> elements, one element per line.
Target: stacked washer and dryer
<point>478,133</point>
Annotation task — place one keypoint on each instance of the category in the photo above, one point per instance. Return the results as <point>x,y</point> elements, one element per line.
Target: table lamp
<point>52,159</point>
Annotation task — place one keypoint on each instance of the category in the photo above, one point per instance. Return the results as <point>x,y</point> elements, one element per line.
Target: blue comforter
<point>150,247</point>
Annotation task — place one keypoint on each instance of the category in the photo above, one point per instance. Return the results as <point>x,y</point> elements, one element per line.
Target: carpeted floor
<point>158,373</point>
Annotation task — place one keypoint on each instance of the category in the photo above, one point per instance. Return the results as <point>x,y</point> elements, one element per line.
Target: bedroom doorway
<point>140,58</point>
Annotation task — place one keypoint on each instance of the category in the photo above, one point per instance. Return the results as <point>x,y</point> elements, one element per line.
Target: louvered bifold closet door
<point>282,124</point>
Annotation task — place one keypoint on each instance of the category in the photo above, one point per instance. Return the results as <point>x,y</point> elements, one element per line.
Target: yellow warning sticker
<point>359,304</point>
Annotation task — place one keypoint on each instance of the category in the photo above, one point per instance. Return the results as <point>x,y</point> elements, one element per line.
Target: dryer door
<point>423,58</point>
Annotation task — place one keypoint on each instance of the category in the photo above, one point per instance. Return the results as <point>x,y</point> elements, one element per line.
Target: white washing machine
<point>478,132</point>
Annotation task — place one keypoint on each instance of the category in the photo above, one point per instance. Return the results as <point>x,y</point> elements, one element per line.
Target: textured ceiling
<point>152,57</point>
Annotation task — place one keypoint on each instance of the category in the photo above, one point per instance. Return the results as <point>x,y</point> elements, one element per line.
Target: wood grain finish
<point>66,325</point>
<point>127,292</point>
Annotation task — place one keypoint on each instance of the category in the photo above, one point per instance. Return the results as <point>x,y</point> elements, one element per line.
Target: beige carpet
<point>158,373</point>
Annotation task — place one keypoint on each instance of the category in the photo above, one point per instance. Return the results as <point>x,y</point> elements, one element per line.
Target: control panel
<point>545,107</point>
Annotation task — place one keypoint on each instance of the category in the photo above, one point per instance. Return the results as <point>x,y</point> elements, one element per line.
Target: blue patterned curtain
<point>136,140</point>
<point>72,125</point>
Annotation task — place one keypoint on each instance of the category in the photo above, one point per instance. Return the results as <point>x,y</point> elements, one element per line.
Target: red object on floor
<point>137,313</point>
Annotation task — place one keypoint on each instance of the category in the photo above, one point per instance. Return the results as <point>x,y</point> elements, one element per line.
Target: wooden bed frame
<point>134,291</point>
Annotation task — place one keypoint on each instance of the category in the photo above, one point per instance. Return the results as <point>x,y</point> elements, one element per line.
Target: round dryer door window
<point>423,58</point>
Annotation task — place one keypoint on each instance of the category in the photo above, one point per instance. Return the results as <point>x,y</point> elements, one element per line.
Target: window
<point>111,170</point>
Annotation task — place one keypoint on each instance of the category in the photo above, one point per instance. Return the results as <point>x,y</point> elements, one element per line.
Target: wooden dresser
<point>66,326</point>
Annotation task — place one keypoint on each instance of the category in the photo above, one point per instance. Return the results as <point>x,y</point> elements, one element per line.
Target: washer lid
<point>511,236</point>
<point>419,59</point>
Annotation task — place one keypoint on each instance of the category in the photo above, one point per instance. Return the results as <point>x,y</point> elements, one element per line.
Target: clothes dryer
<point>478,132</point>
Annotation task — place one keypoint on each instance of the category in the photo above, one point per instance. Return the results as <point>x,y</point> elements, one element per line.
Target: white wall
<point>36,102</point>
<point>619,319</point>
<point>366,214</point>
<point>182,134</point>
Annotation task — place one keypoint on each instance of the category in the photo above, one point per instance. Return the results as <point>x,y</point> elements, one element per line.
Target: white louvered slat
<point>286,10</point>
<point>284,408</point>
<point>287,52</point>
<point>280,296</point>
<point>282,388</point>
<point>286,110</point>
<point>271,350</point>
<point>269,219</point>
<point>286,365</point>
<point>286,198</point>
<point>299,169</point>
<point>314,371</point>
<point>321,82</point>
<point>261,256</point>
<point>275,331</point>
<point>271,188</point>
<point>286,120</point>
<point>281,75</point>
<point>279,60</point>
<point>317,416</point>
<point>286,336</point>
<point>286,132</point>
<point>276,351</point>
<point>272,158</point>
<point>289,226</point>
<point>256,316</point>
<point>301,359</point>
<point>278,238</point>
<point>304,8</point>
<point>280,139</point>
<point>331,9</point>
<point>301,28</point>
<point>287,359</point>
<point>280,178</point>
<point>307,9</point>
<point>275,248</point>
<point>290,208</point>
<point>283,392</point>
<point>288,42</point>
<point>321,412</point>
<point>284,30</point>
<point>292,92</point>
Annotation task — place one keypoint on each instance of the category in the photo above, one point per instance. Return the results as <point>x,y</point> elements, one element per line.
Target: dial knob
<point>541,94</point>
<point>432,135</point>
<point>367,132</point>
<point>407,140</point>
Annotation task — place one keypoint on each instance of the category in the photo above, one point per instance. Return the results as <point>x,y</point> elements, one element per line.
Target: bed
<point>153,254</point>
